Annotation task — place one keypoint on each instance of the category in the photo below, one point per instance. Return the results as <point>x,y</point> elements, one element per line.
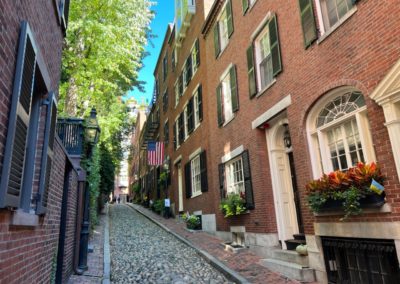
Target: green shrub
<point>233,205</point>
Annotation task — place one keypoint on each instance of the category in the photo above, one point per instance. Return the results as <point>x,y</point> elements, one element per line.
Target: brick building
<point>289,91</point>
<point>38,182</point>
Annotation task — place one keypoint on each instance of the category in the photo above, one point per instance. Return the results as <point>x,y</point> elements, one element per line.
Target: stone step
<point>292,244</point>
<point>291,270</point>
<point>291,256</point>
<point>299,237</point>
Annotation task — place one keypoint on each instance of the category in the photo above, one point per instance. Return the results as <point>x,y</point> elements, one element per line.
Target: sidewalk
<point>245,263</point>
<point>95,262</point>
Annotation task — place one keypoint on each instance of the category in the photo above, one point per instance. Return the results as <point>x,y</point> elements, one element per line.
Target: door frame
<point>274,137</point>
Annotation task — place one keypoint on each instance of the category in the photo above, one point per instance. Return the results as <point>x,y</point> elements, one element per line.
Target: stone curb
<point>229,273</point>
<point>106,251</point>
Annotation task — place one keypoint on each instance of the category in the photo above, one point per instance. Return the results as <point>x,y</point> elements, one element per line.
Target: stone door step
<point>290,256</point>
<point>291,270</point>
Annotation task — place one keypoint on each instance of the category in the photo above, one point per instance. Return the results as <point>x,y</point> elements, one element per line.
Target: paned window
<point>196,176</point>
<point>177,95</point>
<point>198,111</point>
<point>234,176</point>
<point>339,132</point>
<point>165,67</point>
<point>334,10</point>
<point>264,58</point>
<point>227,97</point>
<point>166,133</point>
<point>223,29</point>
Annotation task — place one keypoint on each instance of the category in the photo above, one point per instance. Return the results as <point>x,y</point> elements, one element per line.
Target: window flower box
<point>234,204</point>
<point>351,191</point>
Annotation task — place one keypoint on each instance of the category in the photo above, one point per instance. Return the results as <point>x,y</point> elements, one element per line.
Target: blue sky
<point>164,10</point>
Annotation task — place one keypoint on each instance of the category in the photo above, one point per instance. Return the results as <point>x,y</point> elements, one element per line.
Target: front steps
<point>290,263</point>
<point>299,239</point>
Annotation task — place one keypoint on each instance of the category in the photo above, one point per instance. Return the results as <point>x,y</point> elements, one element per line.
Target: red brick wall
<point>359,53</point>
<point>27,254</point>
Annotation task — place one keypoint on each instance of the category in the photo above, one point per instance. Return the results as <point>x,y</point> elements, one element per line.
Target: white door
<point>285,207</point>
<point>180,187</point>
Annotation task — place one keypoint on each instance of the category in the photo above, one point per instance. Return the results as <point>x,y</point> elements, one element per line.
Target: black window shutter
<point>181,84</point>
<point>188,180</point>
<point>275,48</point>
<point>181,127</point>
<point>175,138</point>
<point>245,6</point>
<point>251,72</point>
<point>18,121</point>
<point>234,89</point>
<point>47,155</point>
<point>197,51</point>
<point>200,102</point>
<point>188,69</point>
<point>64,8</point>
<point>217,46</point>
<point>190,115</point>
<point>307,22</point>
<point>219,105</point>
<point>229,18</point>
<point>203,172</point>
<point>166,133</point>
<point>247,180</point>
<point>221,169</point>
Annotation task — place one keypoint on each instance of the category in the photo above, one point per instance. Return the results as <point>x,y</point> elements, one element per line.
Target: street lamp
<point>92,133</point>
<point>167,200</point>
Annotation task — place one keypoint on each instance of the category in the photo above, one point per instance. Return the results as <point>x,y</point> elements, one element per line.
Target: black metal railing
<point>350,260</point>
<point>70,131</point>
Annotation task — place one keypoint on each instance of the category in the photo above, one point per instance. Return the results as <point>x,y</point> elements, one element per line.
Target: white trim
<point>274,110</point>
<point>226,72</point>
<point>232,154</point>
<point>260,27</point>
<point>178,159</point>
<point>378,230</point>
<point>195,153</point>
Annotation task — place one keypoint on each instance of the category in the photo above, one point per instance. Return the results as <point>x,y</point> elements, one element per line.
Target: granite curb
<point>106,250</point>
<point>229,273</point>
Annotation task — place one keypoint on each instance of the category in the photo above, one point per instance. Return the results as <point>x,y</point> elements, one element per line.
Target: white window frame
<point>317,137</point>
<point>259,58</point>
<point>234,184</point>
<point>196,110</point>
<point>176,87</point>
<point>226,96</point>
<point>223,21</point>
<point>196,176</point>
<point>324,29</point>
<point>193,55</point>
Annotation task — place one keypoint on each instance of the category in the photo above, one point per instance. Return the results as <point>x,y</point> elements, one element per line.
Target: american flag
<point>155,153</point>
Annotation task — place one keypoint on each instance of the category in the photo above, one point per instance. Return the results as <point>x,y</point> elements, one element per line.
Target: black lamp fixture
<point>92,129</point>
<point>286,137</point>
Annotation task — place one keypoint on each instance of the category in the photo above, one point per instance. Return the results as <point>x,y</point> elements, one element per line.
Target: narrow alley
<point>142,252</point>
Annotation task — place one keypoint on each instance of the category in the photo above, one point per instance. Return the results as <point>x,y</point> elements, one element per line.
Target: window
<point>197,105</point>
<point>264,58</point>
<point>339,132</point>
<point>196,176</point>
<point>166,133</point>
<point>195,54</point>
<point>196,180</point>
<point>173,60</point>
<point>185,118</point>
<point>165,101</point>
<point>246,4</point>
<point>307,22</point>
<point>176,131</point>
<point>227,97</point>
<point>177,95</point>
<point>165,67</point>
<point>181,128</point>
<point>235,177</point>
<point>223,29</point>
<point>31,115</point>
<point>188,71</point>
<point>334,10</point>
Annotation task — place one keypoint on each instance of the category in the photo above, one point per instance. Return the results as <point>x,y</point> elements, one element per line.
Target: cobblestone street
<point>142,252</point>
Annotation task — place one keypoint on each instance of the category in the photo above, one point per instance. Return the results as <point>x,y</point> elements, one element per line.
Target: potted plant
<point>233,204</point>
<point>193,222</point>
<point>357,188</point>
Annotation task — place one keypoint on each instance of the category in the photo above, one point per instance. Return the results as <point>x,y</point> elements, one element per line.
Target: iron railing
<point>71,133</point>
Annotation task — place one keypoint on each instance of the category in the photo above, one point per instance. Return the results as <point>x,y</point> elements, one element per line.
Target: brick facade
<point>357,53</point>
<point>28,250</point>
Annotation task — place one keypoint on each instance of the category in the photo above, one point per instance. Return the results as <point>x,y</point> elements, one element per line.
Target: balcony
<point>70,131</point>
<point>185,10</point>
<point>150,130</point>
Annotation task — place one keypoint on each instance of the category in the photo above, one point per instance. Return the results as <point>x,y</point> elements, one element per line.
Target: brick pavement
<point>245,262</point>
<point>94,274</point>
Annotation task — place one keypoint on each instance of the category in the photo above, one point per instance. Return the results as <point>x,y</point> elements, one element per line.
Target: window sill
<point>337,25</point>
<point>21,218</point>
<point>196,194</point>
<point>260,93</point>
<point>227,122</point>
<point>222,50</point>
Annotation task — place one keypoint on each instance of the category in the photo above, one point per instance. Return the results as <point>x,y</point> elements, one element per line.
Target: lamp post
<point>167,202</point>
<point>92,133</point>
